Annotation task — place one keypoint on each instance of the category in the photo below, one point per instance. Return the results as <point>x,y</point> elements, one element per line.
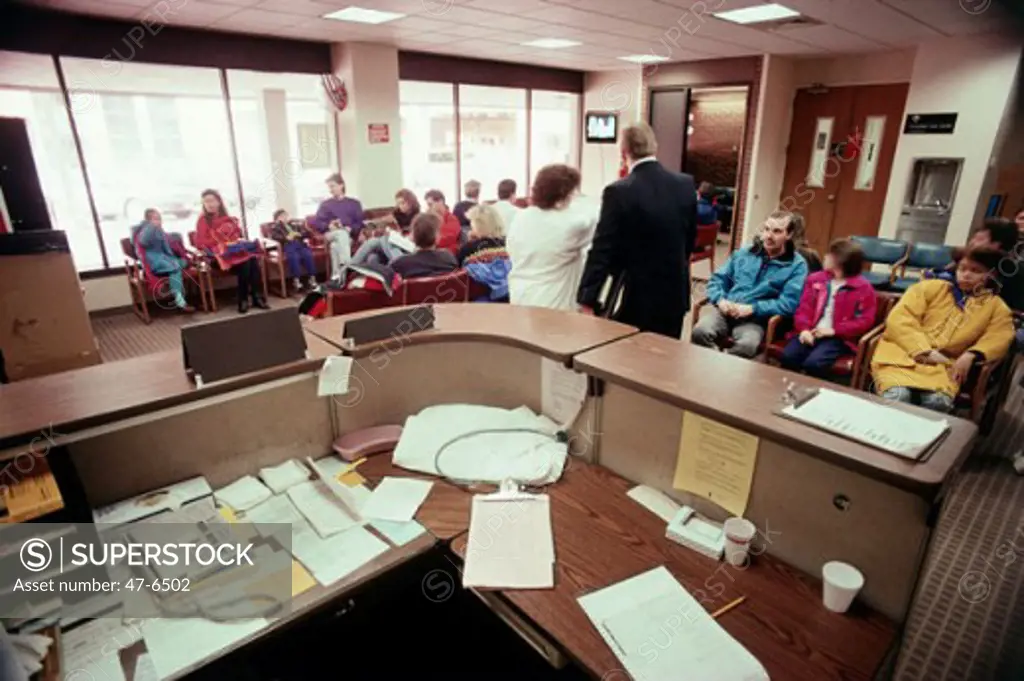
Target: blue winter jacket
<point>771,285</point>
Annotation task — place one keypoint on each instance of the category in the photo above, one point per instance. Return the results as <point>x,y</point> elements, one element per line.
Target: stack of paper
<point>661,633</point>
<point>90,651</point>
<point>319,505</point>
<point>523,449</point>
<point>396,499</point>
<point>288,474</point>
<point>242,494</point>
<point>275,511</point>
<point>150,503</point>
<point>510,543</point>
<point>332,558</point>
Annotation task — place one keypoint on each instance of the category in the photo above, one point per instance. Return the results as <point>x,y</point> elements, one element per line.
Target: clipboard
<point>917,455</point>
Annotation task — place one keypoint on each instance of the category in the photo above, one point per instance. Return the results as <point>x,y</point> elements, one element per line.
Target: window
<point>152,137</point>
<point>554,129</point>
<point>287,144</point>
<point>492,126</point>
<point>29,89</point>
<point>427,112</point>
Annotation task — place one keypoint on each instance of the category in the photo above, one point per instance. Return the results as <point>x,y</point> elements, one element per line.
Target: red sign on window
<point>379,133</point>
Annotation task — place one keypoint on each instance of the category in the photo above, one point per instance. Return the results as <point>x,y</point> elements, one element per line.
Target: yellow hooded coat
<point>926,318</point>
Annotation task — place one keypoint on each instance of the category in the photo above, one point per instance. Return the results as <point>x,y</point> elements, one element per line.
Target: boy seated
<point>291,234</point>
<point>756,283</point>
<point>427,260</point>
<point>837,307</point>
<point>939,329</point>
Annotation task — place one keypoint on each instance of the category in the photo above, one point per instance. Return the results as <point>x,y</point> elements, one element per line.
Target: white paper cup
<point>739,532</point>
<point>840,584</point>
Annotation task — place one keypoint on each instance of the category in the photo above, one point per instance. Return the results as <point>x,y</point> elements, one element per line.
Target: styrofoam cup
<point>840,584</point>
<point>739,532</point>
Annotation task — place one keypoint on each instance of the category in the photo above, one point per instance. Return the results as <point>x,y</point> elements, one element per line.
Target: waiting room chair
<point>704,246</point>
<point>275,259</point>
<point>980,388</point>
<point>142,279</point>
<point>921,257</point>
<point>849,368</point>
<point>447,288</point>
<point>347,301</point>
<point>213,270</point>
<point>881,251</point>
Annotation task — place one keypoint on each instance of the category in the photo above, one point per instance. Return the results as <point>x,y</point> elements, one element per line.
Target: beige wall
<point>972,76</point>
<point>106,292</point>
<point>768,160</point>
<point>607,91</point>
<point>370,71</point>
<point>863,69</point>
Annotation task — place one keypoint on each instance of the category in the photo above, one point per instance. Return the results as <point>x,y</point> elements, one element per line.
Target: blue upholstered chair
<point>921,257</point>
<point>880,251</point>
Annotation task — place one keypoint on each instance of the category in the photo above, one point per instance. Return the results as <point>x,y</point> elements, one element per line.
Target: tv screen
<point>602,127</point>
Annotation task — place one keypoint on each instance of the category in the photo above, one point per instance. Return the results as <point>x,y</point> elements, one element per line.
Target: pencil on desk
<point>726,608</point>
<point>349,468</point>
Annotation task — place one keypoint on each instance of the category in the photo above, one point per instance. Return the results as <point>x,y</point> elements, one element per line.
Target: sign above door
<point>930,124</point>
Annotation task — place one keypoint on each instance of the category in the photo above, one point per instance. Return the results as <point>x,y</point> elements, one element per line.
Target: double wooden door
<point>841,146</point>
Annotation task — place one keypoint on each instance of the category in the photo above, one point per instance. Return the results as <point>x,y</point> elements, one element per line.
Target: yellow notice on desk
<point>716,462</point>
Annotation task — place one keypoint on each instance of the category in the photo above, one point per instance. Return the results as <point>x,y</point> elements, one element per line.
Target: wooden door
<point>877,119</point>
<point>821,120</point>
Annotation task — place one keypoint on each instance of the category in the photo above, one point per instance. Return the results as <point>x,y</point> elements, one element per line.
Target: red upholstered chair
<point>214,270</point>
<point>357,300</point>
<point>849,368</point>
<point>704,247</point>
<point>141,280</point>
<point>447,288</point>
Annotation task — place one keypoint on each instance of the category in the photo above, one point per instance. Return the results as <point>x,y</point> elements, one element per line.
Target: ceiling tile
<point>953,18</point>
<point>507,6</point>
<point>832,39</point>
<point>248,17</point>
<point>190,14</point>
<point>305,8</point>
<point>868,18</point>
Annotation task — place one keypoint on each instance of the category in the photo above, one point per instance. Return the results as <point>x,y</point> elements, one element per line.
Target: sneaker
<point>311,283</point>
<point>297,284</point>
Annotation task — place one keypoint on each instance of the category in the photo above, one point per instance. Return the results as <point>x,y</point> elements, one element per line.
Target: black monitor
<point>602,128</point>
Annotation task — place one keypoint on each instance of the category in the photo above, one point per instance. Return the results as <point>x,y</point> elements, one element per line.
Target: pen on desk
<point>726,608</point>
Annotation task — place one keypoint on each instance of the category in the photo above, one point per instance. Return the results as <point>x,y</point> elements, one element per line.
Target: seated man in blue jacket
<point>757,282</point>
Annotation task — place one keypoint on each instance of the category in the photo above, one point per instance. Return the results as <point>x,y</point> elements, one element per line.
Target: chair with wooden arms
<point>142,279</point>
<point>213,269</point>
<point>728,341</point>
<point>849,368</point>
<point>704,246</point>
<point>447,288</point>
<point>881,251</point>
<point>921,257</point>
<point>275,258</point>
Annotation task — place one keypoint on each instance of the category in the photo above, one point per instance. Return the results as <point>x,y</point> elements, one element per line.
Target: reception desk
<point>140,424</point>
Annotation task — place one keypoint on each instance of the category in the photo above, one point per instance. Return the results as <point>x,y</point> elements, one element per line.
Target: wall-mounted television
<point>602,128</point>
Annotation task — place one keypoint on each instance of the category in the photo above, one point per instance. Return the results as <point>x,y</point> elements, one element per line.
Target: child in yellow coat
<point>939,329</point>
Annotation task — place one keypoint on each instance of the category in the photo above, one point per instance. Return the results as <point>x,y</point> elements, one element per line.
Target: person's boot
<point>243,305</point>
<point>260,302</point>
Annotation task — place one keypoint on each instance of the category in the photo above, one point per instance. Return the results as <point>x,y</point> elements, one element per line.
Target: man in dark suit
<point>644,238</point>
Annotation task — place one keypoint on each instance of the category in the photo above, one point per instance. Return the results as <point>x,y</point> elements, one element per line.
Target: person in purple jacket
<point>339,219</point>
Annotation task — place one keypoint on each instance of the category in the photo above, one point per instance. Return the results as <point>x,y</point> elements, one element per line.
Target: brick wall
<point>713,150</point>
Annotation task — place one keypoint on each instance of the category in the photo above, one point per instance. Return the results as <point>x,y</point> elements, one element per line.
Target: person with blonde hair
<point>484,256</point>
<point>643,242</point>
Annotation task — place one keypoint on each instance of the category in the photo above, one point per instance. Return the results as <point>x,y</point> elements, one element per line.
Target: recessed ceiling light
<point>552,43</point>
<point>644,58</point>
<point>757,14</point>
<point>363,16</point>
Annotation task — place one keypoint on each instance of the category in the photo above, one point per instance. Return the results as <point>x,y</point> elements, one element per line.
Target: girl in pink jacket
<point>837,307</point>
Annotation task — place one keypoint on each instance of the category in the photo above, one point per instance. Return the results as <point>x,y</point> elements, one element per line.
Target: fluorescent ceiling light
<point>757,14</point>
<point>552,43</point>
<point>644,58</point>
<point>363,16</point>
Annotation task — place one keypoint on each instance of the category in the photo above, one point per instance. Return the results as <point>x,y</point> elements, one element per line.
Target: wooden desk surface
<point>445,513</point>
<point>603,537</point>
<point>321,597</point>
<point>745,394</point>
<point>555,334</point>
<point>83,398</point>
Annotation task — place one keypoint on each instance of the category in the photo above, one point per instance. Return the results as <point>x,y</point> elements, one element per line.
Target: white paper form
<point>562,391</point>
<point>324,511</point>
<point>510,543</point>
<point>396,499</point>
<point>287,474</point>
<point>332,558</point>
<point>175,644</point>
<point>334,376</point>
<point>243,494</point>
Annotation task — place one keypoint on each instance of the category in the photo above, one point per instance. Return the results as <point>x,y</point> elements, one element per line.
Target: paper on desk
<point>242,494</point>
<point>562,391</point>
<point>396,499</point>
<point>716,462</point>
<point>175,644</point>
<point>336,556</point>
<point>334,376</point>
<point>654,501</point>
<point>273,515</point>
<point>321,508</point>
<point>302,581</point>
<point>279,478</point>
<point>145,670</point>
<point>399,534</point>
<point>482,456</point>
<point>892,430</point>
<point>661,633</point>
<point>350,498</point>
<point>90,651</point>
<point>510,543</point>
<point>150,503</point>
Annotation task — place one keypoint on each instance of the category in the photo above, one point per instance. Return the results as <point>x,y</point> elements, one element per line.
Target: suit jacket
<point>644,237</point>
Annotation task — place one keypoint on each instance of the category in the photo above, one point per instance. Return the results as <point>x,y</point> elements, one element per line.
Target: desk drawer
<point>529,633</point>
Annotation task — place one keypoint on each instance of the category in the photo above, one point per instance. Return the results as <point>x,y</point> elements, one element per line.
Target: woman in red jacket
<point>221,237</point>
<point>837,308</point>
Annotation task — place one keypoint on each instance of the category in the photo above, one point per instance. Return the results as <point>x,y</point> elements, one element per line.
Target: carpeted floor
<point>967,621</point>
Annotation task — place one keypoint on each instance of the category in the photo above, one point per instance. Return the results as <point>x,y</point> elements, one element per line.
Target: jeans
<point>714,326</point>
<point>377,251</point>
<point>299,257</point>
<point>340,243</point>
<point>817,359</point>
<point>926,398</point>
